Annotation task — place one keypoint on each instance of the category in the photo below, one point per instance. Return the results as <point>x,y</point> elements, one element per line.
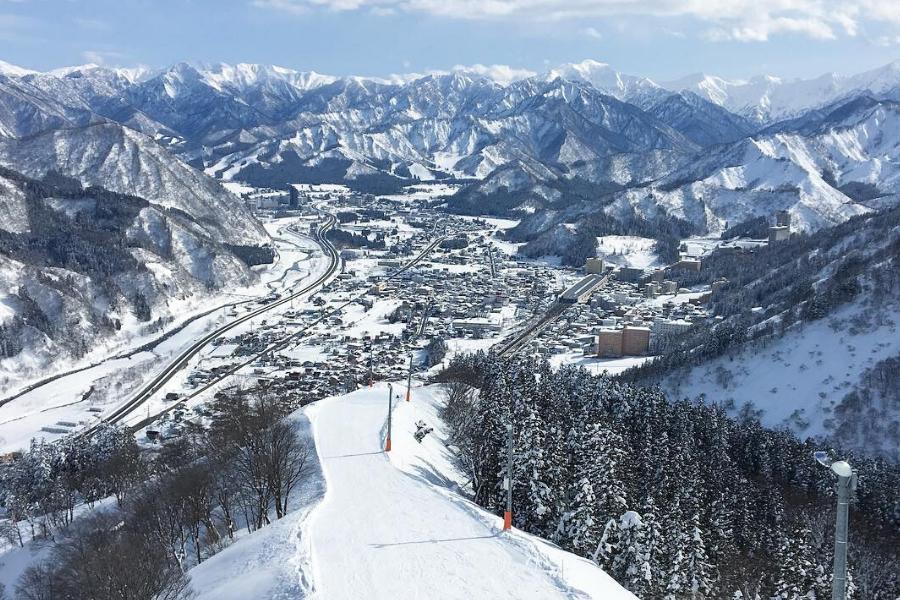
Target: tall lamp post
<point>846,483</point>
<point>387,443</point>
<point>409,376</point>
<point>507,515</point>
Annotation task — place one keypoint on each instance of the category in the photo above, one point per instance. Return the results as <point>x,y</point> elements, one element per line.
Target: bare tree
<point>286,459</point>
<point>106,559</point>
<point>38,582</point>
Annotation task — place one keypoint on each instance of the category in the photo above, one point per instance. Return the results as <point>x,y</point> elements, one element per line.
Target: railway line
<point>147,391</point>
<point>284,343</point>
<point>576,293</point>
<point>533,329</point>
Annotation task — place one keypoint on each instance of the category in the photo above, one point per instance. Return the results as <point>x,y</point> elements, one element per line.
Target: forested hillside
<point>818,309</point>
<point>80,265</point>
<point>673,498</point>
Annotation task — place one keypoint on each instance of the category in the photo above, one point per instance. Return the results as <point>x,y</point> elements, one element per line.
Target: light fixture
<point>845,485</point>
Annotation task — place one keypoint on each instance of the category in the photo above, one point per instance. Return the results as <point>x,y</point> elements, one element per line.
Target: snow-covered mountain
<point>844,165</point>
<point>84,269</point>
<point>580,134</point>
<point>104,234</point>
<point>766,99</point>
<point>630,88</point>
<point>701,121</point>
<point>119,159</point>
<point>843,162</point>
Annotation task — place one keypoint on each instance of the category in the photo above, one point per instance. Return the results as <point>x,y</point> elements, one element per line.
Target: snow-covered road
<point>389,527</point>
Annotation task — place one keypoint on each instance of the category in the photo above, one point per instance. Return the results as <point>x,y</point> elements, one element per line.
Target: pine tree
<point>797,573</point>
<point>631,565</point>
<point>697,566</point>
<point>690,573</point>
<point>606,547</point>
<point>532,494</point>
<point>599,495</point>
<point>655,544</point>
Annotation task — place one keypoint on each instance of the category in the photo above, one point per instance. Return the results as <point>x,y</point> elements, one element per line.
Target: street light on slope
<point>846,483</point>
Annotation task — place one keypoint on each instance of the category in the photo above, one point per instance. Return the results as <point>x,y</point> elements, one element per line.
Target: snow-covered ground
<point>424,191</point>
<point>628,251</point>
<point>113,379</point>
<point>595,366</point>
<point>797,379</point>
<point>272,562</point>
<point>393,525</point>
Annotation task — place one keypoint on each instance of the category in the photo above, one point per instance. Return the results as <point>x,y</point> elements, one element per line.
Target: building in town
<point>628,341</point>
<point>594,266</point>
<point>779,234</point>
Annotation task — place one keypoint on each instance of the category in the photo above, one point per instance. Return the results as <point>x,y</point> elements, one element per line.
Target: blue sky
<point>661,39</point>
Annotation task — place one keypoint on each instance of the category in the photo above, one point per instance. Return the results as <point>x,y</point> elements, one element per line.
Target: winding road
<point>152,386</point>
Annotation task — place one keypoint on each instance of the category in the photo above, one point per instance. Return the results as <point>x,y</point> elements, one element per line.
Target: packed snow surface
<point>393,525</point>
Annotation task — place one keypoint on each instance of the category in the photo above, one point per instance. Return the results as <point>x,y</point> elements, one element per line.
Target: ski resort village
<point>479,334</point>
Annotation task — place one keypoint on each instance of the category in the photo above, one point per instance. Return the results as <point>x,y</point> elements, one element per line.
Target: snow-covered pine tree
<point>606,547</point>
<point>599,495</point>
<point>655,544</point>
<point>533,498</point>
<point>797,571</point>
<point>698,570</point>
<point>631,565</point>
<point>690,573</point>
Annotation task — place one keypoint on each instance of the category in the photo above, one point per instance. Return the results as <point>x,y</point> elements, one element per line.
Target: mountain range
<point>756,139</point>
<point>577,151</point>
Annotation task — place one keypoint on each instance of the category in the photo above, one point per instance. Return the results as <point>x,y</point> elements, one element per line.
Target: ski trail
<point>380,533</point>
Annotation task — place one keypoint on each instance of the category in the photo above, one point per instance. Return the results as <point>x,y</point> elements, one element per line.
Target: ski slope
<point>393,525</point>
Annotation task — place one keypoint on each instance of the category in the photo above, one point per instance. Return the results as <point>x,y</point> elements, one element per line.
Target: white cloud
<point>101,57</point>
<point>592,33</point>
<point>294,7</point>
<point>502,74</point>
<point>743,20</point>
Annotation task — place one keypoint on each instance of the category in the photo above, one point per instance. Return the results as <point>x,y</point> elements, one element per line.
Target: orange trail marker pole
<point>387,443</point>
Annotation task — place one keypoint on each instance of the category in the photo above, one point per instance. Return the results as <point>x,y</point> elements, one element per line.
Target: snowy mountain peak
<point>66,71</point>
<point>13,71</point>
<point>603,77</point>
<point>246,75</point>
<point>766,99</point>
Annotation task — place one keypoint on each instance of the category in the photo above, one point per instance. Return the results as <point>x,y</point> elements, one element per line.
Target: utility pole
<point>507,515</point>
<point>409,377</point>
<point>387,444</point>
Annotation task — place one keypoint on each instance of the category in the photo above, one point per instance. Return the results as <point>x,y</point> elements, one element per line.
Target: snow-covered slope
<point>122,160</point>
<point>80,268</point>
<point>799,380</point>
<point>805,333</point>
<point>766,99</point>
<point>394,526</point>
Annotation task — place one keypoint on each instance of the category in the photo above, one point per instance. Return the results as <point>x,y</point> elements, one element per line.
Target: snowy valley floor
<point>392,525</point>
